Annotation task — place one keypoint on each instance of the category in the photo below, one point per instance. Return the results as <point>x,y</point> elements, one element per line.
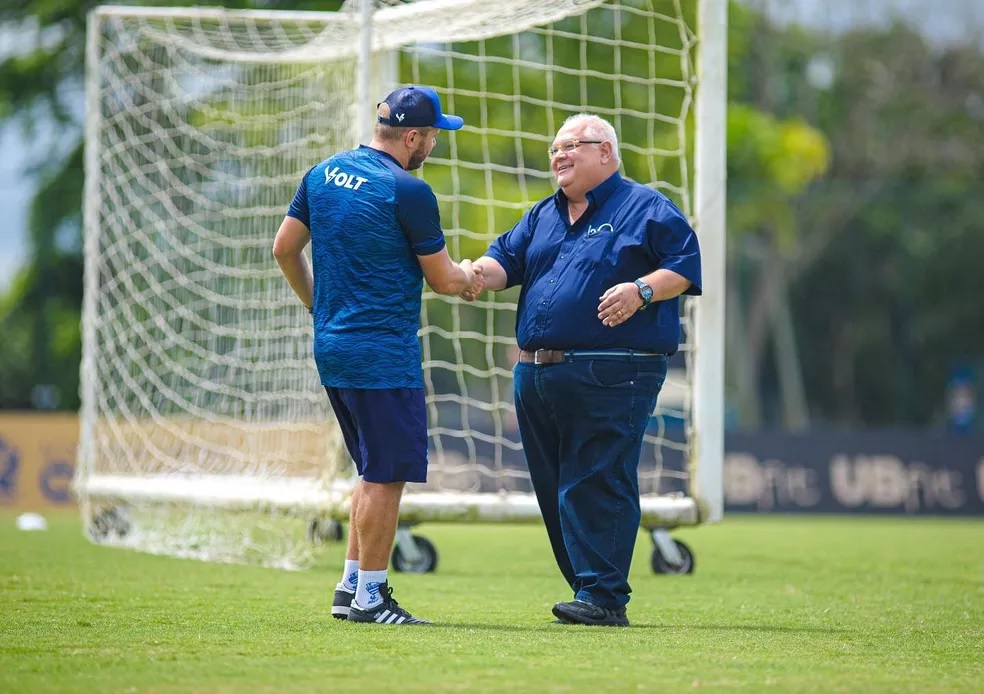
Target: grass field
<point>777,604</point>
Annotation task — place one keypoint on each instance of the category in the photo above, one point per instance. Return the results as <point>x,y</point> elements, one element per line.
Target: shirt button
<point>552,281</point>
<point>562,255</point>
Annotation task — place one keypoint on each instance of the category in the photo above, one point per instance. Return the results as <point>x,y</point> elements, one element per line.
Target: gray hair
<point>595,128</point>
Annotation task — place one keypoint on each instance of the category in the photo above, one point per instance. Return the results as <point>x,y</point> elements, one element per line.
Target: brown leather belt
<point>542,356</point>
<point>557,356</point>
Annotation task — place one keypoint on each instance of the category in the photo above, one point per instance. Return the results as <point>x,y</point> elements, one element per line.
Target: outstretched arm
<point>288,249</point>
<point>495,277</point>
<point>445,276</point>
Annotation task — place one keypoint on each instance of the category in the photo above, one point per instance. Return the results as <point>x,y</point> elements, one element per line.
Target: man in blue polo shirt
<point>375,234</point>
<point>602,263</point>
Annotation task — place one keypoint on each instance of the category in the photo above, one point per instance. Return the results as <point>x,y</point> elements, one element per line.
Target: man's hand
<point>476,280</point>
<point>619,303</point>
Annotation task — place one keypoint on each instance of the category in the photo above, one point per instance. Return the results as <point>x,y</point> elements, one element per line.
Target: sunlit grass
<point>777,604</point>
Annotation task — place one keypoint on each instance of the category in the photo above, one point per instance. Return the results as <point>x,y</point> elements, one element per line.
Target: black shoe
<point>342,603</point>
<point>582,612</point>
<point>389,612</point>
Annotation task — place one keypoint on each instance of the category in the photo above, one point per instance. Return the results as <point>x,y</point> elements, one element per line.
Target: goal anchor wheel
<point>413,554</point>
<point>670,556</point>
<point>322,530</point>
<point>109,521</point>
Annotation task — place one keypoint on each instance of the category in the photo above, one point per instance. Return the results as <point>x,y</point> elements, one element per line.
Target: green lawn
<point>778,604</point>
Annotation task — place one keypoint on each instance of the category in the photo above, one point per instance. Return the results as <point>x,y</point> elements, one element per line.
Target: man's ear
<point>606,151</point>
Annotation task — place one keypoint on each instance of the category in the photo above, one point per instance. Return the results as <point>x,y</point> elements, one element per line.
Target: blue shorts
<point>385,431</point>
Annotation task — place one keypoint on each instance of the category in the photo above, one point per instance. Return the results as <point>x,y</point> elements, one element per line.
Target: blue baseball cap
<point>417,107</point>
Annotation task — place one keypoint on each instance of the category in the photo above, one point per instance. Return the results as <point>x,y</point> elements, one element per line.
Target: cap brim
<point>446,122</point>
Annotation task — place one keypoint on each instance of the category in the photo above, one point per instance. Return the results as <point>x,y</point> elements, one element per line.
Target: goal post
<point>204,429</point>
<point>710,191</point>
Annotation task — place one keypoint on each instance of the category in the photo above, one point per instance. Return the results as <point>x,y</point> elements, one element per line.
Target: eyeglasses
<point>568,146</point>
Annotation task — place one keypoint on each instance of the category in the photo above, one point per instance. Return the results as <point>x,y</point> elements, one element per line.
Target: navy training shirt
<point>627,231</point>
<point>369,220</point>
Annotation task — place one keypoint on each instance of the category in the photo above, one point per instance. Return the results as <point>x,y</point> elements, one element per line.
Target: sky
<point>961,20</point>
<point>14,193</point>
<point>21,151</point>
<point>942,21</point>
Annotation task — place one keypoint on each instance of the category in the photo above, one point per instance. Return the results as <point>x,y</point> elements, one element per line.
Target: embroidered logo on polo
<point>602,229</point>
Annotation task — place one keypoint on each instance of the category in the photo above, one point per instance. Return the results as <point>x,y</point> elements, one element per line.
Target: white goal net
<point>205,431</point>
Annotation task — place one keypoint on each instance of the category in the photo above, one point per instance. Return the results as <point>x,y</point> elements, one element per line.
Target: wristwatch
<point>646,293</point>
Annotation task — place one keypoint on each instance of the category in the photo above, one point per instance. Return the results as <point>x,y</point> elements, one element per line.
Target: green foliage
<point>861,239</point>
<point>773,161</point>
<point>920,122</point>
<point>27,310</point>
<point>16,361</point>
<point>894,303</point>
<point>892,310</point>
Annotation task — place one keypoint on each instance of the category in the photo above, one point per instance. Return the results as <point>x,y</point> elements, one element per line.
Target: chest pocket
<point>598,243</point>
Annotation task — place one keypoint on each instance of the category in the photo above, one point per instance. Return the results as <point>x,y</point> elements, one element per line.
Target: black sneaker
<point>583,612</point>
<point>342,603</point>
<point>388,612</point>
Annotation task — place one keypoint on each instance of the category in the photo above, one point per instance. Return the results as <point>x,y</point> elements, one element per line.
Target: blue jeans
<point>582,423</point>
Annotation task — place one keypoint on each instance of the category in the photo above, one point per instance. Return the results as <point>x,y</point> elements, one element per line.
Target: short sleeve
<point>509,250</point>
<point>673,241</point>
<point>417,212</point>
<point>299,205</point>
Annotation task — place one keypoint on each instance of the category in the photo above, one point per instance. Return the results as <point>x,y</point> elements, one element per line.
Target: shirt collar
<point>382,153</point>
<point>597,195</point>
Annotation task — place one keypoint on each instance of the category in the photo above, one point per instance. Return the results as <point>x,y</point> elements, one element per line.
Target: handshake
<point>475,277</point>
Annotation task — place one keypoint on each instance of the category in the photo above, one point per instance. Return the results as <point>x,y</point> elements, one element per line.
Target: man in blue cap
<point>375,234</point>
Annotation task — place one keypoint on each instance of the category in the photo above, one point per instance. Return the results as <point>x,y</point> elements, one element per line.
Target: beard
<point>418,157</point>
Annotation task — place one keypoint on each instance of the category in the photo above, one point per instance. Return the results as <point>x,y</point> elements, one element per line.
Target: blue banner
<point>891,472</point>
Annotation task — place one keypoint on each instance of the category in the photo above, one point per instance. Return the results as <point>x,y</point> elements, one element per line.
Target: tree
<point>771,162</point>
<point>773,157</point>
<point>899,296</point>
<point>876,233</point>
<point>40,315</point>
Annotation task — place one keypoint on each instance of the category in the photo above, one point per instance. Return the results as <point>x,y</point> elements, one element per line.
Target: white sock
<point>350,575</point>
<point>367,594</point>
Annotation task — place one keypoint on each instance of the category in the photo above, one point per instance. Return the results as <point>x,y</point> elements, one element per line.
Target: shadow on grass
<point>743,627</point>
<point>636,625</point>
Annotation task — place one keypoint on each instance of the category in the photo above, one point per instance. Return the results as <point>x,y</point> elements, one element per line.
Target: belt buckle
<point>536,357</point>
